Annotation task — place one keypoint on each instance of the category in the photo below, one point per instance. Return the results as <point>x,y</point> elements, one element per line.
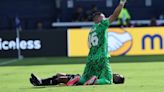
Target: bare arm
<point>117,11</point>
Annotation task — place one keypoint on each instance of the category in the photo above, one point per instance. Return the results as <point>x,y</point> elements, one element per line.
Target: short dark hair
<point>96,14</point>
<point>118,79</point>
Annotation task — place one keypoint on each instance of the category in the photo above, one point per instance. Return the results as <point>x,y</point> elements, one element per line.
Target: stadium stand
<point>48,12</point>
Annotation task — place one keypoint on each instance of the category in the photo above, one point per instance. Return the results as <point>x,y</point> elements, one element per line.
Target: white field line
<point>8,62</point>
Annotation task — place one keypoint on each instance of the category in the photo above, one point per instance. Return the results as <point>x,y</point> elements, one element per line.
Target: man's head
<point>118,79</point>
<point>98,16</point>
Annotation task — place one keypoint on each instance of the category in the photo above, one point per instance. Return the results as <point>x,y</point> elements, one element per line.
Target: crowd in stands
<point>45,14</point>
<point>124,19</point>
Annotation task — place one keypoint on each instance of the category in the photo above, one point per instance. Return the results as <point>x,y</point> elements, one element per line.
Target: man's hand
<point>117,11</point>
<point>123,1</point>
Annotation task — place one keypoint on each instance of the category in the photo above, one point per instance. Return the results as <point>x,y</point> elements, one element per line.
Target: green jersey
<point>98,59</point>
<point>98,40</point>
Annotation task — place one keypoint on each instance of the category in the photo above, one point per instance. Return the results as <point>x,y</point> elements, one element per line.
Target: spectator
<point>91,11</point>
<point>79,14</point>
<point>153,22</point>
<point>161,16</point>
<point>124,18</point>
<point>39,25</point>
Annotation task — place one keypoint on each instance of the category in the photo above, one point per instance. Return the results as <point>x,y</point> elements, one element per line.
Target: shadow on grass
<point>81,60</point>
<point>50,86</point>
<point>61,86</point>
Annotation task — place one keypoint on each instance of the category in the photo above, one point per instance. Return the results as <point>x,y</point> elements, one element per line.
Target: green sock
<point>102,81</point>
<point>81,81</point>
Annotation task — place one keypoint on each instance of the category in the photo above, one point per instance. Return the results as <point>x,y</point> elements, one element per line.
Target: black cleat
<point>34,80</point>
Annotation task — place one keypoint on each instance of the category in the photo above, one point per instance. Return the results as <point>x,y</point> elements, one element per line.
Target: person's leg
<point>102,81</point>
<point>86,74</point>
<point>73,81</point>
<point>91,81</point>
<point>99,68</point>
<point>105,78</point>
<point>81,81</point>
<point>49,81</point>
<point>58,78</point>
<point>36,81</point>
<point>106,74</point>
<point>92,68</point>
<point>68,79</point>
<point>54,80</point>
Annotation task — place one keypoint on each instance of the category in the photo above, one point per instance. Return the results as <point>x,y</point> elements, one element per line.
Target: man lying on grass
<point>98,69</point>
<point>62,78</point>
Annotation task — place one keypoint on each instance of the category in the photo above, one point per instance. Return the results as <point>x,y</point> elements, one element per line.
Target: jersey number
<point>93,39</point>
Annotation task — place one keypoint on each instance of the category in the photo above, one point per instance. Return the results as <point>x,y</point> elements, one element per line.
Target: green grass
<point>142,73</point>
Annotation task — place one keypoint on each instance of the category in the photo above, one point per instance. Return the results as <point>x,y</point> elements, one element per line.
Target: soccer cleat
<point>73,81</point>
<point>91,81</point>
<point>31,81</point>
<point>34,80</point>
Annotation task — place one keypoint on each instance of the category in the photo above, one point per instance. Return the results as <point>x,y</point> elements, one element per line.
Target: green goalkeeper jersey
<point>98,41</point>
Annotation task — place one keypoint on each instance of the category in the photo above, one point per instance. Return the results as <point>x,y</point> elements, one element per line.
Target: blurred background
<point>40,28</point>
<point>40,14</point>
<point>45,37</point>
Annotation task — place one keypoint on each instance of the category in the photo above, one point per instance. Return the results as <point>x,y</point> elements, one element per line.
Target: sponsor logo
<point>20,44</point>
<point>152,40</point>
<point>119,42</point>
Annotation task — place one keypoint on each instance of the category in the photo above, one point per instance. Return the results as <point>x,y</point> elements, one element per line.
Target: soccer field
<point>142,73</point>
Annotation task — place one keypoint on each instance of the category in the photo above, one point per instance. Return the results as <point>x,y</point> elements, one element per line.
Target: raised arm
<point>117,11</point>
